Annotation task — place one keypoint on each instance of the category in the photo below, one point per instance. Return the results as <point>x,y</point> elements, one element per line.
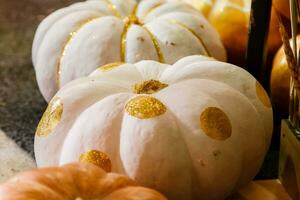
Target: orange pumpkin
<point>280,82</point>
<point>76,181</point>
<point>234,21</point>
<point>283,7</point>
<point>231,20</point>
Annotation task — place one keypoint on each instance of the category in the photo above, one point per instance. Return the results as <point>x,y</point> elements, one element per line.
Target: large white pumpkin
<point>74,41</point>
<point>196,130</point>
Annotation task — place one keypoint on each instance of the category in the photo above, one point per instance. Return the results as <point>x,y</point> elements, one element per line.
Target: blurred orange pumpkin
<point>280,82</point>
<point>231,19</point>
<point>74,182</point>
<point>283,7</point>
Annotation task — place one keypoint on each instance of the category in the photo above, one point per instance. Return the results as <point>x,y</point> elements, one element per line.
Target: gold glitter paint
<point>110,66</point>
<point>149,87</point>
<point>124,40</point>
<point>97,158</point>
<point>145,107</point>
<point>67,43</point>
<point>156,45</point>
<point>193,33</point>
<point>151,10</point>
<point>131,19</point>
<point>113,8</point>
<point>262,95</point>
<point>215,123</point>
<point>51,118</point>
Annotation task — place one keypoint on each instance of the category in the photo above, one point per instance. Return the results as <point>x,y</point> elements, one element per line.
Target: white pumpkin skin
<point>74,41</point>
<point>170,150</point>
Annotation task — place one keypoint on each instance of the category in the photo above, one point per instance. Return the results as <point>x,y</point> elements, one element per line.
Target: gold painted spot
<point>51,118</point>
<point>215,123</point>
<point>109,67</point>
<point>145,107</point>
<point>194,34</point>
<point>97,158</point>
<point>149,87</point>
<point>262,95</point>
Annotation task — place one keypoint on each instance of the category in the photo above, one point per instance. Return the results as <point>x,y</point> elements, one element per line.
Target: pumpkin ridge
<point>46,188</point>
<point>151,10</point>
<point>116,155</point>
<point>129,20</point>
<point>192,171</point>
<point>47,185</point>
<point>123,40</point>
<point>108,67</point>
<point>67,43</point>
<point>156,45</point>
<point>188,29</point>
<point>113,8</point>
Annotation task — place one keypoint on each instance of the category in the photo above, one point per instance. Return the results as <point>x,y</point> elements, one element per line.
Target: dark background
<point>21,104</point>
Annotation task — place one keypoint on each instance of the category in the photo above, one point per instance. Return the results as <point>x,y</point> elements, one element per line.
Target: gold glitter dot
<point>97,158</point>
<point>50,118</point>
<point>110,66</point>
<point>145,107</point>
<point>215,123</point>
<point>262,95</point>
<point>149,87</point>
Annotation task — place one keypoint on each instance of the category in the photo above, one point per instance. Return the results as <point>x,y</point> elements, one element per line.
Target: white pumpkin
<point>196,130</point>
<point>74,41</point>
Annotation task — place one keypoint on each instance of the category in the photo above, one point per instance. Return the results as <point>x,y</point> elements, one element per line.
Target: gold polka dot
<point>97,158</point>
<point>145,107</point>
<point>51,117</point>
<point>262,95</point>
<point>110,66</point>
<point>215,123</point>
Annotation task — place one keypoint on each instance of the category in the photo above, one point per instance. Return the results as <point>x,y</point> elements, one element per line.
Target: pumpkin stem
<point>133,19</point>
<point>149,87</point>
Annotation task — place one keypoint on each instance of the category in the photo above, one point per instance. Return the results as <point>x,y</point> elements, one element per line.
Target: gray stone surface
<point>21,104</point>
<point>12,158</point>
